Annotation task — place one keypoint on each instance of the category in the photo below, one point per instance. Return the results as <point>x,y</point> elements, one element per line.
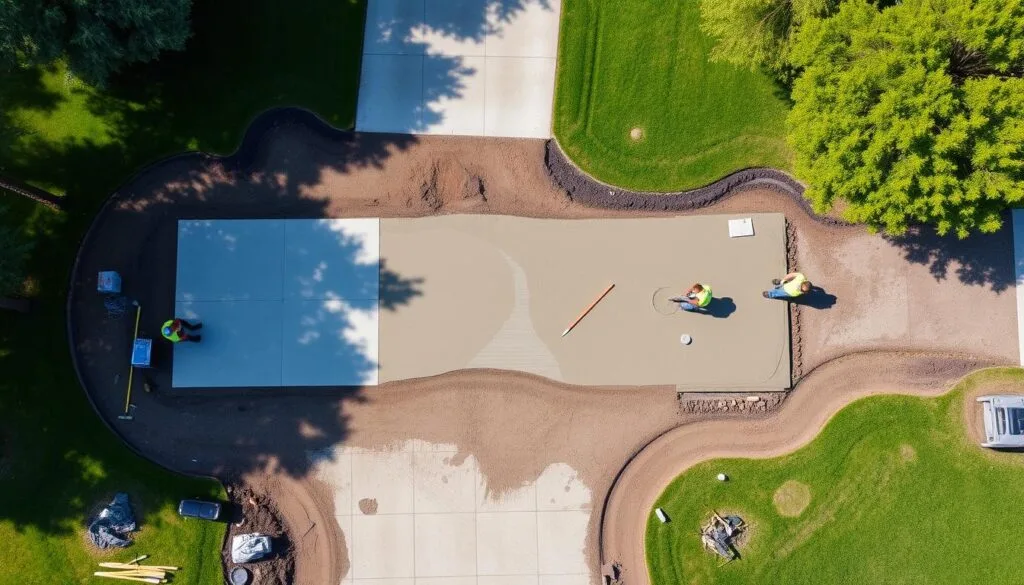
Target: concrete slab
<point>329,343</point>
<point>331,259</point>
<point>581,579</point>
<point>560,488</point>
<point>388,27</point>
<point>390,94</point>
<point>516,500</point>
<point>519,97</point>
<point>454,95</point>
<point>444,482</point>
<point>225,260</point>
<point>532,31</point>
<point>385,477</point>
<point>241,345</point>
<point>506,543</point>
<point>475,48</point>
<point>446,581</point>
<point>469,266</point>
<point>507,580</point>
<point>453,27</point>
<point>560,537</point>
<point>392,536</point>
<point>460,548</point>
<point>445,545</point>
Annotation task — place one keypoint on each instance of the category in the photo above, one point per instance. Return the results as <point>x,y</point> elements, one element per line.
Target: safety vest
<point>792,287</point>
<point>704,296</point>
<point>170,332</point>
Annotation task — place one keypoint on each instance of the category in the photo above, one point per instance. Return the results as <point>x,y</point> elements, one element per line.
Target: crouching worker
<point>698,297</point>
<point>177,330</point>
<point>791,286</point>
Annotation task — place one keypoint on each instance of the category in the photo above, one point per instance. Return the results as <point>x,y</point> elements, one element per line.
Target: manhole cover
<point>662,304</point>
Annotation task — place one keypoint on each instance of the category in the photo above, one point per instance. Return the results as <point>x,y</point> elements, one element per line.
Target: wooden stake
<point>588,309</point>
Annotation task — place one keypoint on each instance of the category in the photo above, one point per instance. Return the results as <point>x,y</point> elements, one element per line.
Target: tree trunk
<point>19,305</point>
<point>34,193</point>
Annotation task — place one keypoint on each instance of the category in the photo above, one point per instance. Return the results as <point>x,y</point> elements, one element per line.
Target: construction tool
<point>131,369</point>
<point>589,308</point>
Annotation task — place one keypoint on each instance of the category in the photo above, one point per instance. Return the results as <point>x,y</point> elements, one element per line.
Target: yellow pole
<point>131,369</point>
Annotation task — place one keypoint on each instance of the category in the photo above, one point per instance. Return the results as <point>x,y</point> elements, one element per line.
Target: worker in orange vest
<point>176,330</point>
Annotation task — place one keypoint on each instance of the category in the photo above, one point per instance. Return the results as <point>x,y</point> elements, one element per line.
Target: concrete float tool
<point>589,308</point>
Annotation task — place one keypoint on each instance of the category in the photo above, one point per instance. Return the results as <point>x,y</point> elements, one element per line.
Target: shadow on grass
<point>56,458</point>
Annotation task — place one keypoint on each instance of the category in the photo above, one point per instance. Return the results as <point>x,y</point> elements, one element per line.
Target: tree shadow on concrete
<point>411,50</point>
<point>979,260</point>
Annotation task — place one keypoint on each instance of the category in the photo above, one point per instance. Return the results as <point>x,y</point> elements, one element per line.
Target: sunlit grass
<point>638,104</point>
<point>899,494</point>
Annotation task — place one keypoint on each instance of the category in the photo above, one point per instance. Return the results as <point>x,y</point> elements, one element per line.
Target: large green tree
<point>913,113</point>
<point>97,37</point>
<point>756,33</point>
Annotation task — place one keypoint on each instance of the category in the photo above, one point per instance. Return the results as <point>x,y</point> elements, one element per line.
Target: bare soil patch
<point>258,513</point>
<point>791,498</point>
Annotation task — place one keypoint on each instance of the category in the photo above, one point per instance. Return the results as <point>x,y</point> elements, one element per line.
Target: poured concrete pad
<point>497,292</point>
<point>468,67</point>
<point>424,514</point>
<point>283,302</point>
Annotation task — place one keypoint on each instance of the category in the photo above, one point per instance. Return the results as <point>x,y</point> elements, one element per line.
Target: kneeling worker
<point>791,286</point>
<point>177,330</point>
<point>698,297</point>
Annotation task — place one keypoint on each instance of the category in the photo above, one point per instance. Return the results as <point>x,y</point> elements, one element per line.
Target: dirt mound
<point>256,512</point>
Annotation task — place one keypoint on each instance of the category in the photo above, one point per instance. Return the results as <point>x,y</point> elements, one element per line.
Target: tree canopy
<point>912,113</point>
<point>97,37</point>
<point>756,33</point>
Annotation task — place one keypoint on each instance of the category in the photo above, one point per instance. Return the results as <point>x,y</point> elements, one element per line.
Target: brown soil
<point>258,513</point>
<point>368,506</point>
<point>514,424</point>
<point>792,498</point>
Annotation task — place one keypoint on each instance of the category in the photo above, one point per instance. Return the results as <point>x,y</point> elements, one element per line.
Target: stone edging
<point>587,190</point>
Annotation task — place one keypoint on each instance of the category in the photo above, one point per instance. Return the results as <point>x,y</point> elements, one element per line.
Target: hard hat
<point>167,330</point>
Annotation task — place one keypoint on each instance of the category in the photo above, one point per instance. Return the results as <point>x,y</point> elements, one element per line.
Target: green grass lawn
<point>898,494</point>
<point>56,459</point>
<point>625,64</point>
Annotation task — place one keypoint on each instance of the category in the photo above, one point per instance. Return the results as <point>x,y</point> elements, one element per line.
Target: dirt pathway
<point>816,399</point>
<point>514,424</point>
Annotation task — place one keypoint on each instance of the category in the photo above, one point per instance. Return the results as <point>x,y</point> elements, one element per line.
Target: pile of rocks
<point>710,403</point>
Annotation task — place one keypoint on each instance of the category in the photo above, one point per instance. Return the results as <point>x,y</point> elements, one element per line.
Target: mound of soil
<point>255,512</point>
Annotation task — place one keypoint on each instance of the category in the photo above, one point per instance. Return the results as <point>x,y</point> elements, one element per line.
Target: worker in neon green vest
<point>176,330</point>
<point>698,297</point>
<point>791,286</point>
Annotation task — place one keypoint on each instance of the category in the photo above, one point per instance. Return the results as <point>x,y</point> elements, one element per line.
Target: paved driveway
<point>469,67</point>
